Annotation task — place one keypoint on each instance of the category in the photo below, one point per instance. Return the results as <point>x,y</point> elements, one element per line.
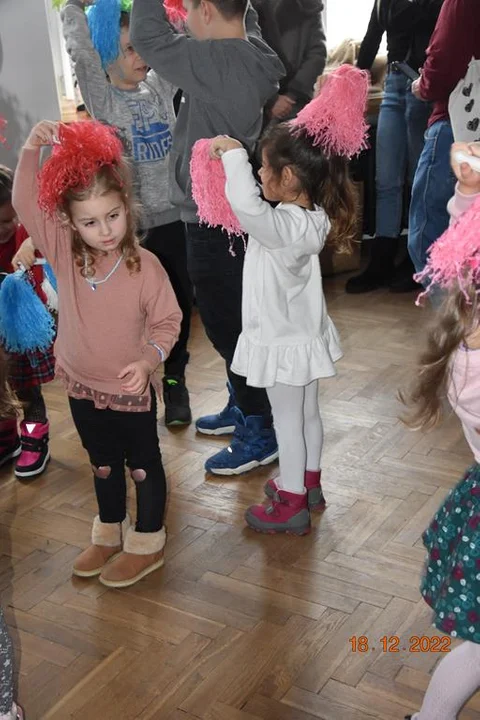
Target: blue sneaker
<point>224,422</point>
<point>252,446</point>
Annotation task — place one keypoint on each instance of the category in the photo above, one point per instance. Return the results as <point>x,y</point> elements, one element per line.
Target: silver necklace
<point>92,282</point>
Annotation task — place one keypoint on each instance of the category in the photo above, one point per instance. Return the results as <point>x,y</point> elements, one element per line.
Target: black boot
<point>403,281</point>
<point>177,401</point>
<point>380,269</point>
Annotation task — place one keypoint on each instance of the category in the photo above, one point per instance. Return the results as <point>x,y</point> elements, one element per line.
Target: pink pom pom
<point>454,259</point>
<point>208,190</point>
<point>3,125</point>
<point>335,119</point>
<point>176,13</point>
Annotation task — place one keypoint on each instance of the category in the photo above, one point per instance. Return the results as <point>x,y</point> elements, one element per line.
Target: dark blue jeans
<point>402,122</point>
<point>433,187</point>
<point>217,278</point>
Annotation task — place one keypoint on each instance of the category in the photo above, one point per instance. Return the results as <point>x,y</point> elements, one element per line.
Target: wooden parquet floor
<point>240,626</point>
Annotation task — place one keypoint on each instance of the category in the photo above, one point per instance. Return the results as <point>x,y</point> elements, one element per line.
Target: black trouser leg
<point>168,243</point>
<point>217,278</point>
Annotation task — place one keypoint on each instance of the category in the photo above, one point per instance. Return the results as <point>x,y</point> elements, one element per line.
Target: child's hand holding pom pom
<point>208,184</point>
<point>223,144</point>
<point>44,133</point>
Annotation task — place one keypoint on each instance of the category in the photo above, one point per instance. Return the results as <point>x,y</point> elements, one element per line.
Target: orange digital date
<point>391,644</point>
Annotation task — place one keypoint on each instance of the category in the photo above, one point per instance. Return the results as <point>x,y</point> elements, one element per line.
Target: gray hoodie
<point>145,117</point>
<point>226,84</point>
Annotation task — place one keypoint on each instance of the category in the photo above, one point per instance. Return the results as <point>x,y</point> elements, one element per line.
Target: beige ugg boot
<point>142,554</point>
<point>107,539</point>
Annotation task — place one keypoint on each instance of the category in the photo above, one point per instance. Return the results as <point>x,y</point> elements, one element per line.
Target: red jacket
<point>455,40</point>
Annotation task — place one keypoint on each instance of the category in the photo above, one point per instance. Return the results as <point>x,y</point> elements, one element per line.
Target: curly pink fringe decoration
<point>335,119</point>
<point>454,259</point>
<point>3,125</point>
<point>176,13</point>
<point>208,190</point>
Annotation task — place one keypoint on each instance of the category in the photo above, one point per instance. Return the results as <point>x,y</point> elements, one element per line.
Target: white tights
<point>299,430</point>
<point>454,681</point>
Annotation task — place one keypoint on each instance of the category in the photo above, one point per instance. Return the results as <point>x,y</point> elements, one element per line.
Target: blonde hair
<point>109,178</point>
<point>455,322</point>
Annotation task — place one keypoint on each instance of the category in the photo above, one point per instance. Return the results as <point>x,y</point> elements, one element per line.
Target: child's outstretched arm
<point>273,228</point>
<point>25,191</point>
<point>92,81</point>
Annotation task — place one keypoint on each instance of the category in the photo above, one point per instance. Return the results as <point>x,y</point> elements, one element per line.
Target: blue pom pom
<point>47,269</point>
<point>104,24</point>
<point>25,323</point>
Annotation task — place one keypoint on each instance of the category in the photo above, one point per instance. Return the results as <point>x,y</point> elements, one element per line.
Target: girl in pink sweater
<point>450,368</point>
<point>118,320</point>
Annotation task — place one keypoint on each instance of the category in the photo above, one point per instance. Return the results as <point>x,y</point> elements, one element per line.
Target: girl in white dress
<point>288,340</point>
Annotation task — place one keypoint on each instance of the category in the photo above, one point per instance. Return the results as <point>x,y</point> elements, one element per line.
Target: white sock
<point>454,681</point>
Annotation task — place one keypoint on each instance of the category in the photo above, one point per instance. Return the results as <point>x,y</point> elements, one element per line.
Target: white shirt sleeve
<point>273,228</point>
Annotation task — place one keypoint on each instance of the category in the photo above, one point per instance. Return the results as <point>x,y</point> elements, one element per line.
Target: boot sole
<point>177,423</point>
<point>97,571</point>
<point>11,456</point>
<point>227,430</point>
<point>33,473</point>
<point>244,468</point>
<point>132,581</point>
<point>281,531</point>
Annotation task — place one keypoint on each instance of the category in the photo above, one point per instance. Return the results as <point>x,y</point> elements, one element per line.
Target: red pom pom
<point>83,148</point>
<point>176,13</point>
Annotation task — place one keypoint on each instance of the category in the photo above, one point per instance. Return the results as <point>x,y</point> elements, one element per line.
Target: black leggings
<point>112,438</point>
<point>34,410</point>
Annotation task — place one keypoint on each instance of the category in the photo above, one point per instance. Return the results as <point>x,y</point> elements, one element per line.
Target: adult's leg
<point>391,162</point>
<point>433,186</point>
<point>417,114</point>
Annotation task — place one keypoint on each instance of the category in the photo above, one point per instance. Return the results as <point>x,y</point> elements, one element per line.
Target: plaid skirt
<point>27,370</point>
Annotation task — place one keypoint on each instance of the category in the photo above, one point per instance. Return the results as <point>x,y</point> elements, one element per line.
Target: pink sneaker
<point>35,454</point>
<point>313,485</point>
<point>287,512</point>
<point>9,441</point>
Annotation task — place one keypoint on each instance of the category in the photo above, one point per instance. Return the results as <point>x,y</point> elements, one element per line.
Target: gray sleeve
<point>313,63</point>
<point>92,80</point>
<point>192,65</point>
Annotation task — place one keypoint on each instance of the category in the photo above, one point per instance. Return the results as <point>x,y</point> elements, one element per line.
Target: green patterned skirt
<point>451,583</point>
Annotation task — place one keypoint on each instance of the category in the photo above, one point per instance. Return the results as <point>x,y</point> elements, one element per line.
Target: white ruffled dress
<point>288,336</point>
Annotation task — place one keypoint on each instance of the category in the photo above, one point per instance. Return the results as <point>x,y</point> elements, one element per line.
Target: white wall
<point>28,91</point>
<point>347,19</point>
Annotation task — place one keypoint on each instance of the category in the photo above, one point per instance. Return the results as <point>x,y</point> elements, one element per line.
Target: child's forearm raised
<point>91,77</point>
